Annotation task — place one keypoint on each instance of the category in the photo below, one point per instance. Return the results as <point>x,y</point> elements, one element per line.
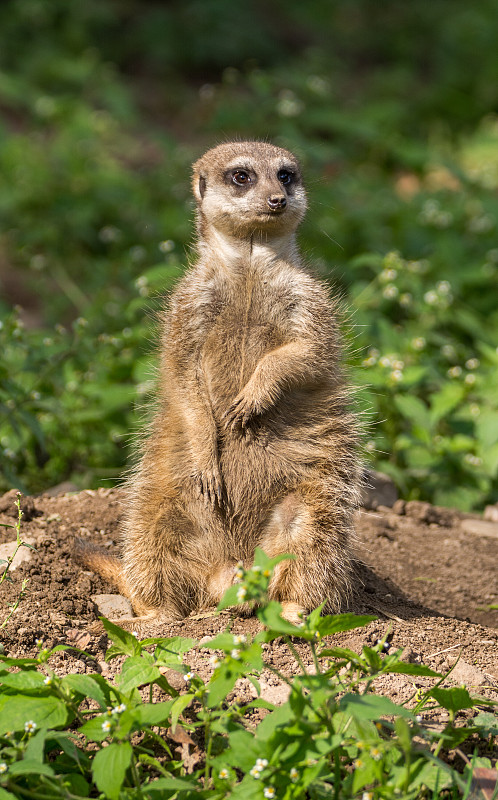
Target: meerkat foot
<point>293,612</point>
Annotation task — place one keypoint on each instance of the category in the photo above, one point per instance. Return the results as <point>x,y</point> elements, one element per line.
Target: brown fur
<point>252,443</point>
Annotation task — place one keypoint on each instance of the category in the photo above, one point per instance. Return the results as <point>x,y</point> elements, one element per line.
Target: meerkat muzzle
<point>277,202</point>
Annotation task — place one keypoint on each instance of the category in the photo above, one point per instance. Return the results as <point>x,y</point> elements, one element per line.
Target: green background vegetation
<point>392,108</point>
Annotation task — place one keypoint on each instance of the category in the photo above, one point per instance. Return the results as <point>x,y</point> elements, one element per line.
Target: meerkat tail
<point>108,567</point>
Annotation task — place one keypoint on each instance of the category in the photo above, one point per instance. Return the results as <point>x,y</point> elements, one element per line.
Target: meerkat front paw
<point>209,485</point>
<point>240,413</point>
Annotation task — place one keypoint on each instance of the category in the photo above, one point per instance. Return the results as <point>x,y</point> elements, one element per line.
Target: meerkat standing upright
<point>252,444</point>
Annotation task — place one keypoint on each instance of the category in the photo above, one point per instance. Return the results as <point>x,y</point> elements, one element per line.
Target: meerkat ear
<point>199,187</point>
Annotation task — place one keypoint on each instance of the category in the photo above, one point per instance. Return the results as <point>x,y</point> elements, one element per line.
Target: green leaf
<point>371,706</point>
<point>156,789</point>
<point>337,623</point>
<point>5,795</point>
<point>243,751</point>
<point>153,713</point>
<point>77,784</point>
<point>265,562</point>
<point>403,733</point>
<point>364,775</point>
<point>281,717</point>
<point>30,767</point>
<point>411,669</point>
<point>128,644</point>
<point>27,679</point>
<point>92,729</point>
<point>444,401</point>
<point>414,410</point>
<point>136,672</point>
<point>229,598</point>
<point>454,699</point>
<point>373,658</point>
<point>487,724</point>
<point>435,777</point>
<point>109,768</point>
<point>222,682</point>
<point>18,662</point>
<point>270,615</point>
<point>35,749</point>
<point>179,705</point>
<point>16,710</point>
<point>169,652</point>
<point>343,653</point>
<point>85,685</point>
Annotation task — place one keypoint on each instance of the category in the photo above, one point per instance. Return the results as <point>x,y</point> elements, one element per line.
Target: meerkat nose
<point>277,202</point>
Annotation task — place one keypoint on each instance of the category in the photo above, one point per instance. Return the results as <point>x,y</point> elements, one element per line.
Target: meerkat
<point>253,443</point>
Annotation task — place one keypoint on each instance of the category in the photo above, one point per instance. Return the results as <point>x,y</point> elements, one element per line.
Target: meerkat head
<point>244,189</point>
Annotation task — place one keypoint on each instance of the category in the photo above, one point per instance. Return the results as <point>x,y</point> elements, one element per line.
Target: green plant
<point>6,576</point>
<point>334,736</point>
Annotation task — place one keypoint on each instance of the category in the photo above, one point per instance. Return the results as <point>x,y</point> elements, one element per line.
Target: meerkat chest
<point>244,326</point>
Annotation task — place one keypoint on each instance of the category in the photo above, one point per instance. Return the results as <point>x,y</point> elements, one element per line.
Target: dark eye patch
<point>285,176</point>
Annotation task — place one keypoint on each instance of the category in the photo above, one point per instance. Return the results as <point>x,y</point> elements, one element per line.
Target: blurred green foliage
<point>392,109</point>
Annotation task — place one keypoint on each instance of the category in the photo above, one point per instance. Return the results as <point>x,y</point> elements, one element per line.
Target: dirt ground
<point>429,574</point>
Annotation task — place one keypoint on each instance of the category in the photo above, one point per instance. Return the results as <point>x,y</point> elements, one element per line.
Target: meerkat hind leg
<point>298,526</point>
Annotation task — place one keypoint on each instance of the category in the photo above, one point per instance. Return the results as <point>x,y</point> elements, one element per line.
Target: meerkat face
<point>247,188</point>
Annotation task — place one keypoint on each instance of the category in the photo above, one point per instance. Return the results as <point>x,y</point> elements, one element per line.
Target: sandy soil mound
<point>428,573</point>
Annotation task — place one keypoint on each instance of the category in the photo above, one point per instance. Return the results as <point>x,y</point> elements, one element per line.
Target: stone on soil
<point>112,606</point>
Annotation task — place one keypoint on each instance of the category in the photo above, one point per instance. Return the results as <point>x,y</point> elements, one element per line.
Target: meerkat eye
<point>240,177</point>
<point>284,176</point>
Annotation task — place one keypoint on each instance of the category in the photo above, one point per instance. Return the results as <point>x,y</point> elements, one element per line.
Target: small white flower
<point>239,574</point>
<point>448,351</point>
<point>235,653</point>
<point>39,642</point>
<point>293,774</point>
<point>385,361</point>
<point>256,568</point>
<point>261,763</point>
<point>418,343</point>
<point>390,292</point>
<point>472,363</point>
<point>454,372</point>
<point>269,791</point>
<point>106,725</point>
<point>367,796</point>
<point>396,375</point>
<point>419,718</point>
<point>255,773</point>
<point>3,767</point>
<point>369,362</point>
<point>431,298</point>
<point>370,446</point>
<point>474,410</point>
<point>470,379</point>
<point>473,460</point>
<point>241,593</point>
<point>443,287</point>
<point>135,634</point>
<point>188,676</point>
<point>30,726</point>
<point>388,275</point>
<point>167,246</point>
<point>240,639</point>
<point>119,709</point>
<point>223,774</point>
<point>376,753</point>
<point>48,680</point>
<point>214,661</point>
